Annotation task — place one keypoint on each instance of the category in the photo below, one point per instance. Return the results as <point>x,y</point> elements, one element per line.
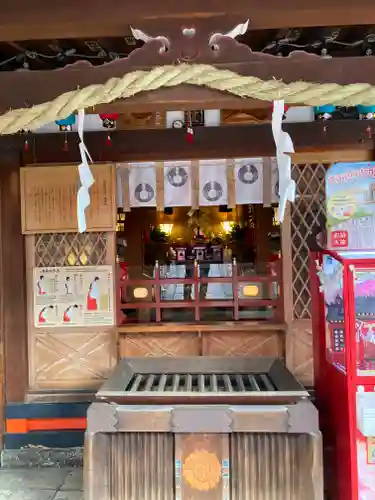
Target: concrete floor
<point>41,484</point>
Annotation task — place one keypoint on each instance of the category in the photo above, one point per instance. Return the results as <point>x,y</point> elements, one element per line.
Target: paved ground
<point>41,484</point>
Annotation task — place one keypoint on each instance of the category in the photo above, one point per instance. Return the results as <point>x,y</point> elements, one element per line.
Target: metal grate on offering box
<point>141,380</point>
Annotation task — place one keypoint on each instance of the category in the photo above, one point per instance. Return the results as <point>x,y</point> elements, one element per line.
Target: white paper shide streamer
<point>85,176</point>
<point>142,185</point>
<point>284,147</point>
<point>213,186</point>
<point>177,184</point>
<point>248,174</point>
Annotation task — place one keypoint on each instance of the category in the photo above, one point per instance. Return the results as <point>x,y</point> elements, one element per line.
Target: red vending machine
<point>343,295</point>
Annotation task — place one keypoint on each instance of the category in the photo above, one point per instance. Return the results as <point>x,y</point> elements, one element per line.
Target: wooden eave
<point>19,20</point>
<point>37,83</point>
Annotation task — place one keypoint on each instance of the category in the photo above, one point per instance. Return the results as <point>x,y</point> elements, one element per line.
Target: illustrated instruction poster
<point>73,296</point>
<point>350,195</point>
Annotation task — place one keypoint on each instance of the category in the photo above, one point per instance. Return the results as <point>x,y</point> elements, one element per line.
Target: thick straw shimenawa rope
<point>308,93</point>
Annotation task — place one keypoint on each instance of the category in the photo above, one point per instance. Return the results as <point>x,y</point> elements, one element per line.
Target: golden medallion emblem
<point>202,470</point>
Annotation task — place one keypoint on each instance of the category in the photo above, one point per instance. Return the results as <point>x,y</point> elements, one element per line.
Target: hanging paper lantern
<point>109,120</point>
<point>66,124</point>
<point>366,112</point>
<point>324,112</point>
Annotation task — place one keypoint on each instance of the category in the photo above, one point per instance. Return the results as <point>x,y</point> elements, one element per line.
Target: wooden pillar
<point>13,323</point>
<point>263,220</point>
<point>287,263</point>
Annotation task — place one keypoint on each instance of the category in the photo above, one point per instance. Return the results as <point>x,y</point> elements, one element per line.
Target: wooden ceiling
<point>348,41</point>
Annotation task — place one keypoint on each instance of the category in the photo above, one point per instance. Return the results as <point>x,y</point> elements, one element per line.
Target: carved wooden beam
<point>209,142</point>
<point>24,88</point>
<point>101,18</point>
<point>203,42</point>
<point>182,98</point>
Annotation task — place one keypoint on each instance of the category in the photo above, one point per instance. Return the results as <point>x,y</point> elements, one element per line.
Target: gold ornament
<point>202,470</point>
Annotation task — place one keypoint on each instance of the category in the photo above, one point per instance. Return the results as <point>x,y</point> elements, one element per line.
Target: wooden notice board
<point>49,199</point>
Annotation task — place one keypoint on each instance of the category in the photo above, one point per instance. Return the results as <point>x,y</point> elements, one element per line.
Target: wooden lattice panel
<point>71,360</point>
<point>70,249</point>
<point>309,205</point>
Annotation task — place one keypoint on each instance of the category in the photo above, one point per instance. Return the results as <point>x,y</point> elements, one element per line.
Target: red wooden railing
<point>153,285</point>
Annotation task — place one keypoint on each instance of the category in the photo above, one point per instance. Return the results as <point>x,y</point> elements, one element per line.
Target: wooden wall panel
<point>207,343</point>
<point>300,351</point>
<point>160,344</point>
<point>265,343</point>
<point>71,360</point>
<point>74,358</point>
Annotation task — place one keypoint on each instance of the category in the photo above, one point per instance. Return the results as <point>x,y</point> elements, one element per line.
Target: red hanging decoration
<point>66,145</point>
<point>190,135</point>
<point>369,132</point>
<point>26,146</point>
<point>190,131</point>
<point>325,129</point>
<point>109,120</point>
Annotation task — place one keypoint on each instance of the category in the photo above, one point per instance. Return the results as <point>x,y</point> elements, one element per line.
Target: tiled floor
<point>41,484</point>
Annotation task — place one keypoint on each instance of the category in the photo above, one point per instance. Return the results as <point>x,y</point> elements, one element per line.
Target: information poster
<point>73,296</point>
<point>350,195</point>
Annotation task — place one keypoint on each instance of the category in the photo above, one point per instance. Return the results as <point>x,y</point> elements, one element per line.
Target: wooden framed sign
<point>49,199</point>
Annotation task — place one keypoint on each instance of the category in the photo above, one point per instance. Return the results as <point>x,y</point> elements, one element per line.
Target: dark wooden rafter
<point>25,88</point>
<point>209,142</point>
<point>93,18</point>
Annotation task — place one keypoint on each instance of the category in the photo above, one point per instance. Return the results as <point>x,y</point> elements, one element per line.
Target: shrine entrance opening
<point>206,264</point>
